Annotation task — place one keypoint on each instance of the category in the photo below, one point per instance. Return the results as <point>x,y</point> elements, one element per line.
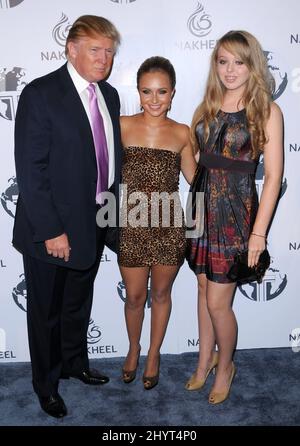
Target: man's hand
<point>59,247</point>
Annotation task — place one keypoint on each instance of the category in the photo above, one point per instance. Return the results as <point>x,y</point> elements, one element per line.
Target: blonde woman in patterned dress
<point>234,124</point>
<point>156,148</point>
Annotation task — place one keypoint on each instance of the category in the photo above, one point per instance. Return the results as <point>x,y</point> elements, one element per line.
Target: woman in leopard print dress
<point>152,239</point>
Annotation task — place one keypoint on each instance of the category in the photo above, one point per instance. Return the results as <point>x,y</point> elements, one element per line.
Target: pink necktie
<point>99,142</point>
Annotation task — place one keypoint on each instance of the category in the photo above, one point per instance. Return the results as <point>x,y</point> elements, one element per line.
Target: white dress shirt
<point>81,86</point>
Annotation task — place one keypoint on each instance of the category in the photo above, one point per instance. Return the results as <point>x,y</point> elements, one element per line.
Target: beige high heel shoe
<point>219,397</point>
<point>196,384</point>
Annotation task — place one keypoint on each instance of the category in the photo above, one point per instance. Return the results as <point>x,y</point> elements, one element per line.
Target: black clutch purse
<point>112,239</point>
<point>240,271</point>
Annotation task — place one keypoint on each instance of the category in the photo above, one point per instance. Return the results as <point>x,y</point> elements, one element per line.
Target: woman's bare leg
<point>162,278</point>
<point>136,284</point>
<point>219,302</point>
<point>207,340</point>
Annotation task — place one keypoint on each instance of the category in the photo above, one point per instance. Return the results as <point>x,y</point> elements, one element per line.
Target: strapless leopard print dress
<point>150,234</point>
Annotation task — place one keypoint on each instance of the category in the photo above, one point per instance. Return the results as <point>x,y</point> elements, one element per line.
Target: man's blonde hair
<point>91,26</point>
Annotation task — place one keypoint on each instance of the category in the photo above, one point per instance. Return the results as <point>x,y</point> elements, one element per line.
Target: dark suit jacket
<point>56,168</point>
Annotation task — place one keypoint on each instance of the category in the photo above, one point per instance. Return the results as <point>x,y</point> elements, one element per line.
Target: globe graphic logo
<point>9,197</point>
<point>278,74</point>
<point>6,4</point>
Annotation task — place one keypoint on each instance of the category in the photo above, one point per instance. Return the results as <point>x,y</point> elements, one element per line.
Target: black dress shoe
<point>90,376</point>
<point>53,405</point>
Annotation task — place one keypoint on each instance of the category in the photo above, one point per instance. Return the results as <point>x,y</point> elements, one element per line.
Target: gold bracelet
<point>258,235</point>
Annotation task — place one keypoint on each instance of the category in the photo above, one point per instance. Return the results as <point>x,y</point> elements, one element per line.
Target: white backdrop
<point>32,44</point>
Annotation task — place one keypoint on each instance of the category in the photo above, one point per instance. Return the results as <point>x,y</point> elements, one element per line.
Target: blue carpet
<point>265,392</point>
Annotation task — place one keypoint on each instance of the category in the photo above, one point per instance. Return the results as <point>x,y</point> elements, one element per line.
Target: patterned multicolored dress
<point>154,231</point>
<point>226,176</point>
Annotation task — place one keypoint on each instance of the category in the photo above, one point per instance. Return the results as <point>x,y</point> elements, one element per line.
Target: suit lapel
<point>108,101</point>
<point>75,109</point>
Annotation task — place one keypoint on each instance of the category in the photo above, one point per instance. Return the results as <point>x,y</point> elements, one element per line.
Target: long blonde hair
<point>257,95</point>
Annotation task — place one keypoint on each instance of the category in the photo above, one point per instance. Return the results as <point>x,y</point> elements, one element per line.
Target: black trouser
<point>59,302</point>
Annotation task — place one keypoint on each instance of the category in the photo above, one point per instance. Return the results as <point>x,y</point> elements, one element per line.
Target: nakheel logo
<point>295,340</point>
<point>10,196</point>
<point>294,148</point>
<point>294,246</point>
<point>105,257</point>
<point>94,336</point>
<point>259,180</point>
<point>280,76</point>
<point>61,30</point>
<point>294,38</point>
<point>194,342</point>
<point>199,23</point>
<point>273,284</point>
<point>12,83</point>
<point>122,292</point>
<point>19,294</point>
<point>94,333</point>
<point>59,34</point>
<point>5,354</point>
<point>6,4</point>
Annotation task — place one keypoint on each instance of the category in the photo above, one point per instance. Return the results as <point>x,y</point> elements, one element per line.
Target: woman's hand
<point>256,245</point>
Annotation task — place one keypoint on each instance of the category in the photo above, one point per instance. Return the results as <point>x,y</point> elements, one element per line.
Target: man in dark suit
<point>58,173</point>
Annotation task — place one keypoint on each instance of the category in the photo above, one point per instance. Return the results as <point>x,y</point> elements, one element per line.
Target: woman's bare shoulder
<point>182,130</point>
<point>275,110</point>
<point>127,121</point>
<point>179,127</point>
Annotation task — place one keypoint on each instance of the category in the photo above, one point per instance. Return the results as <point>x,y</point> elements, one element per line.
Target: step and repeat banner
<point>32,43</point>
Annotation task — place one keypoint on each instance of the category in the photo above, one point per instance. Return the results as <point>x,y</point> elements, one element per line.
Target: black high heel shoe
<point>151,381</point>
<point>129,375</point>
